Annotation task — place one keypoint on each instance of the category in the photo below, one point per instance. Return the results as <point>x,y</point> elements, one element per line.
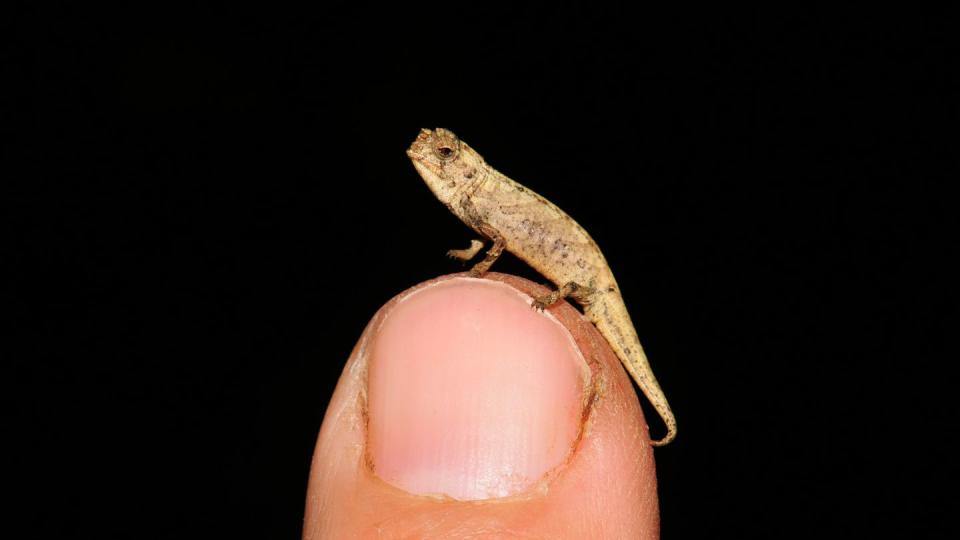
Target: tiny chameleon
<point>538,232</point>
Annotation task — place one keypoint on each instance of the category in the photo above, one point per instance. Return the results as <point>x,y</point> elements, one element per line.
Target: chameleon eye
<point>445,145</point>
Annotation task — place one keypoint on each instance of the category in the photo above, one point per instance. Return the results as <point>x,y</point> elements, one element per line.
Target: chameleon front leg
<point>581,293</point>
<point>493,253</point>
<point>467,253</point>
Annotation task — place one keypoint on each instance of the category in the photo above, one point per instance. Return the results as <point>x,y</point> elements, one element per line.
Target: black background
<point>208,204</point>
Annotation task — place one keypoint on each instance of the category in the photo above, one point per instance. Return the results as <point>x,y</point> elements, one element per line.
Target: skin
<point>538,232</point>
<point>347,498</point>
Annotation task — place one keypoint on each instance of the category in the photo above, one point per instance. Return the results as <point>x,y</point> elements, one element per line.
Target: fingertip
<point>380,451</point>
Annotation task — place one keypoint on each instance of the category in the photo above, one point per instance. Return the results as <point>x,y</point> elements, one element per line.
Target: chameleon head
<point>446,163</point>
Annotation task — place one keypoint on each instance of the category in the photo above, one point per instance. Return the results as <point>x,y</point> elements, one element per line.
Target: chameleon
<point>516,219</point>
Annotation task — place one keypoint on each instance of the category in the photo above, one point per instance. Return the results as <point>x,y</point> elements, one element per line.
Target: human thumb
<point>464,413</point>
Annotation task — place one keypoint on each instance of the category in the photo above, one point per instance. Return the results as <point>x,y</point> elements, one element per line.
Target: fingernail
<point>471,393</point>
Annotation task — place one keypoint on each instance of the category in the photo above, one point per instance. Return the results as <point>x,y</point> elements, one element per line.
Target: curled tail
<point>613,322</point>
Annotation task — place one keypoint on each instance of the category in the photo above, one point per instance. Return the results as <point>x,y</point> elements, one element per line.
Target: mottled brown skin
<point>536,231</point>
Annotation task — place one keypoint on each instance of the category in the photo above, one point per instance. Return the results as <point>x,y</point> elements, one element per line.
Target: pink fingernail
<point>472,394</point>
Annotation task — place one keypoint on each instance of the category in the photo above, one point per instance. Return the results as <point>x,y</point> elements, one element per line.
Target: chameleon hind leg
<point>572,289</point>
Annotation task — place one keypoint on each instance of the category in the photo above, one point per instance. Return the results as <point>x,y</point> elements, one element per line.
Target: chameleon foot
<point>581,293</point>
<point>465,255</point>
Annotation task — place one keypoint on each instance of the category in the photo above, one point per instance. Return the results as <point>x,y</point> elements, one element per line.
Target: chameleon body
<point>538,232</point>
